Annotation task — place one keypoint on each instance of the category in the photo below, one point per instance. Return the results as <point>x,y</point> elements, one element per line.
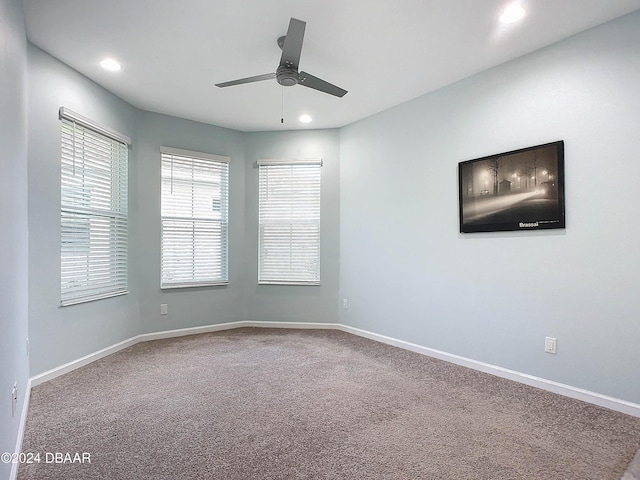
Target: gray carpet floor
<point>303,404</point>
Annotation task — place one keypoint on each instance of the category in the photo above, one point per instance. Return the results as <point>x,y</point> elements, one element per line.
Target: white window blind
<point>195,195</point>
<point>289,222</point>
<point>94,176</point>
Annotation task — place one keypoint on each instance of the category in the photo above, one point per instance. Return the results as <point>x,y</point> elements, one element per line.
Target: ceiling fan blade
<point>257,78</point>
<point>292,47</point>
<point>308,80</point>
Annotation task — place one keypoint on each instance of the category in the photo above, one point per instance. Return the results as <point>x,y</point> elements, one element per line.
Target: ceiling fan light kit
<point>287,73</point>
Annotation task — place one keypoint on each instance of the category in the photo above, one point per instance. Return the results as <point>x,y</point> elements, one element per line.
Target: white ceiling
<point>383,52</point>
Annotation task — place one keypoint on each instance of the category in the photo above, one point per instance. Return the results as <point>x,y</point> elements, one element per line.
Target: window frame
<point>303,219</point>
<point>93,210</point>
<point>219,165</point>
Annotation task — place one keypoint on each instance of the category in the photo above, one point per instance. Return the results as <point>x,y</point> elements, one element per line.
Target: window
<point>93,213</point>
<point>289,222</point>
<point>195,194</point>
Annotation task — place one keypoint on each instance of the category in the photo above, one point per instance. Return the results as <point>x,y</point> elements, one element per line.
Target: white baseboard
<point>146,337</point>
<point>549,385</point>
<point>81,362</point>
<point>13,475</point>
<point>297,325</point>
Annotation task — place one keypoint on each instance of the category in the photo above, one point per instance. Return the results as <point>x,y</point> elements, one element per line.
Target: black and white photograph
<point>518,190</point>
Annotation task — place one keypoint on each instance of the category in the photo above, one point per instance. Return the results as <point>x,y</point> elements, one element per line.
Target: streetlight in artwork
<point>516,176</point>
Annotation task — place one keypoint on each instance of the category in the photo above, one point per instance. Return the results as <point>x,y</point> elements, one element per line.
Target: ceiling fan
<point>287,73</point>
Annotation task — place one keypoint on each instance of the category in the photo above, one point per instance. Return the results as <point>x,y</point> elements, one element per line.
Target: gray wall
<point>187,307</point>
<point>62,334</point>
<point>493,297</point>
<point>14,233</point>
<point>295,303</point>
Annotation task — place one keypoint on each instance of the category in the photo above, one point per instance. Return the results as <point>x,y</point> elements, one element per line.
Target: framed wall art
<point>518,190</point>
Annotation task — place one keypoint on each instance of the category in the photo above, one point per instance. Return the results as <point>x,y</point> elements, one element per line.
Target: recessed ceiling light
<point>110,64</point>
<point>512,13</point>
<point>305,118</point>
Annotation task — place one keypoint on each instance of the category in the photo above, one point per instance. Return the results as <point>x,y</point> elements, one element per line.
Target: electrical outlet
<point>550,344</point>
<point>14,399</point>
<point>345,303</point>
<point>164,309</point>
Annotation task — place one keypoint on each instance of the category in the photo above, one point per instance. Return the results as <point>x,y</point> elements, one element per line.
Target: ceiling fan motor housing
<point>287,76</point>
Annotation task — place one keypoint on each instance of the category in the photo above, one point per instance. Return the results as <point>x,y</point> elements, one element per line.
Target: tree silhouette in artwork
<point>534,165</point>
<point>467,182</point>
<point>493,166</point>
